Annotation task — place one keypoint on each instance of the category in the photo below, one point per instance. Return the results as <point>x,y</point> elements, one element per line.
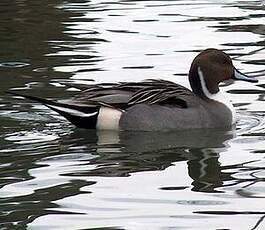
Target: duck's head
<point>211,67</point>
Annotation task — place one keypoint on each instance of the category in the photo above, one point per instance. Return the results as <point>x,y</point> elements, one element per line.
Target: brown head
<point>212,66</point>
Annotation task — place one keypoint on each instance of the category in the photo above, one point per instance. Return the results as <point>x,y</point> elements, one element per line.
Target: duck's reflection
<point>204,169</point>
<point>122,153</point>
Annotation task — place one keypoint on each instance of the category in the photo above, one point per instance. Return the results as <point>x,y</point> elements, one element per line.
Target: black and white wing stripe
<point>80,115</point>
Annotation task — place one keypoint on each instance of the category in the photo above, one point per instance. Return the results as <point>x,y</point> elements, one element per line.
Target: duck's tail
<point>83,116</point>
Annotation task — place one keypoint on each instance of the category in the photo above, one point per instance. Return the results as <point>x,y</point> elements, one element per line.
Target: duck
<point>156,104</point>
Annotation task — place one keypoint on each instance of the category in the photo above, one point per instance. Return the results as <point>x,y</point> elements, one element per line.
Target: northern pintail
<point>156,105</point>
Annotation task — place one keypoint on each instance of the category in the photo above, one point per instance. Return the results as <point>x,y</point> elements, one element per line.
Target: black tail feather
<point>83,116</point>
<point>48,102</point>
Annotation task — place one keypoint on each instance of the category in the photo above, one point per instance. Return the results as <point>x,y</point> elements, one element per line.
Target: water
<point>55,176</point>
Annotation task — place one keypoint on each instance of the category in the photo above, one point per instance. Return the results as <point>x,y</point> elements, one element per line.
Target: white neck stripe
<point>219,96</point>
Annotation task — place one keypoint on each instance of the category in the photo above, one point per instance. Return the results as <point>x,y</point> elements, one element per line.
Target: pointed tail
<point>83,116</point>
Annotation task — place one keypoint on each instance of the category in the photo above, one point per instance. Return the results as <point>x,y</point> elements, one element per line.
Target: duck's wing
<point>162,92</point>
<point>108,95</point>
<point>83,110</point>
<point>124,95</point>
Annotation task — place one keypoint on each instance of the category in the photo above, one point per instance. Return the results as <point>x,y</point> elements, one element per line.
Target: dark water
<point>55,176</point>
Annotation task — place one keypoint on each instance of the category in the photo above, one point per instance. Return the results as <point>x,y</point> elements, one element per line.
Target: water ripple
<point>13,64</point>
<point>251,124</point>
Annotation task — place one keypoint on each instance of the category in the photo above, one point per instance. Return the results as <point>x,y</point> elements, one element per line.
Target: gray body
<point>167,118</point>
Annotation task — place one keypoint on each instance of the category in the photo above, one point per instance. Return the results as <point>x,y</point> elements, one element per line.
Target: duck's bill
<point>240,76</point>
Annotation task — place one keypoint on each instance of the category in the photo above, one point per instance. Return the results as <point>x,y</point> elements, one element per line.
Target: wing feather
<point>125,94</point>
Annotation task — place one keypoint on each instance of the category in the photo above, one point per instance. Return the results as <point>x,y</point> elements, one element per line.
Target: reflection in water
<point>54,175</point>
<point>119,155</point>
<point>115,154</point>
<point>80,164</point>
<point>205,170</point>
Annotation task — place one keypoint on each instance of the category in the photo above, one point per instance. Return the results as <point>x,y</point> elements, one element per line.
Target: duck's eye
<point>225,60</point>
